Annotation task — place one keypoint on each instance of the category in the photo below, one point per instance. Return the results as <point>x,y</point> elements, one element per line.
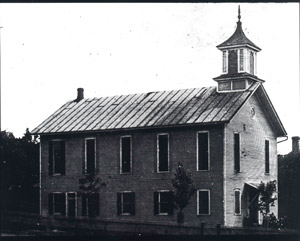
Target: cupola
<point>239,57</point>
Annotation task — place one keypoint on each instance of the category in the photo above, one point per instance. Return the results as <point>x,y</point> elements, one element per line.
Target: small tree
<point>90,185</point>
<point>266,200</point>
<point>184,189</point>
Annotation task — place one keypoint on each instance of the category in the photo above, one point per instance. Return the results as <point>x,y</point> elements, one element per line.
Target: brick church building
<point>225,135</point>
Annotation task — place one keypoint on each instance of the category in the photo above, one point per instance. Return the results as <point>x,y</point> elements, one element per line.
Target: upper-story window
<point>236,152</point>
<point>125,162</point>
<point>203,151</point>
<point>252,62</point>
<point>162,152</point>
<point>267,156</point>
<point>241,58</point>
<point>90,156</point>
<point>225,62</point>
<point>57,157</point>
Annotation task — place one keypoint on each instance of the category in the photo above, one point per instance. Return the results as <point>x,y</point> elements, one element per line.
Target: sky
<point>49,50</point>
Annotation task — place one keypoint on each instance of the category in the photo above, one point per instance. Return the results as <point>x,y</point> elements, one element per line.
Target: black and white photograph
<point>150,119</point>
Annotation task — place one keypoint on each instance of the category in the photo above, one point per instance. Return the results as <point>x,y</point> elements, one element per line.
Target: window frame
<point>225,61</point>
<point>67,203</point>
<point>240,202</point>
<point>53,203</point>
<point>122,202</point>
<point>121,151</point>
<point>267,162</point>
<point>198,205</point>
<point>158,202</point>
<point>85,154</point>
<point>53,158</point>
<point>157,152</point>
<point>234,153</point>
<point>208,152</point>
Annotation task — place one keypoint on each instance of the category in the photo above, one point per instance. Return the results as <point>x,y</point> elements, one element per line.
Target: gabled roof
<point>155,109</point>
<point>238,39</point>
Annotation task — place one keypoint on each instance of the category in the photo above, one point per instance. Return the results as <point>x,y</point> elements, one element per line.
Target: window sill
<point>203,214</point>
<point>163,214</point>
<point>56,174</point>
<point>267,174</point>
<point>162,171</point>
<point>125,214</point>
<point>125,173</point>
<point>237,214</point>
<point>203,170</point>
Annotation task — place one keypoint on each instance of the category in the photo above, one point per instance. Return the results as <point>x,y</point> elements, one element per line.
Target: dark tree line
<point>289,189</point>
<point>19,172</point>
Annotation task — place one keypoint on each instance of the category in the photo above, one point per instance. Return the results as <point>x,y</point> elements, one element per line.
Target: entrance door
<point>252,206</point>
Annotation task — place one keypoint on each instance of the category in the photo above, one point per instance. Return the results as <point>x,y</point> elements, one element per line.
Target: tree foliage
<point>266,196</point>
<point>19,170</point>
<point>184,188</point>
<point>90,184</point>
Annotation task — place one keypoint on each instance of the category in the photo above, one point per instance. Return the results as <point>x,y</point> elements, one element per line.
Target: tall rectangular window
<point>57,203</point>
<point>237,202</point>
<point>126,203</point>
<point>163,202</point>
<point>251,62</point>
<point>267,156</point>
<point>57,157</point>
<point>203,201</point>
<point>236,152</point>
<point>90,156</point>
<point>71,204</point>
<point>224,62</point>
<point>163,153</point>
<point>90,204</point>
<point>126,154</point>
<point>241,60</point>
<point>203,151</point>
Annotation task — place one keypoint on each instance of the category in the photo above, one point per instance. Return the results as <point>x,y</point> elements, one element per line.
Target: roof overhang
<point>252,185</point>
<point>239,46</point>
<point>270,111</point>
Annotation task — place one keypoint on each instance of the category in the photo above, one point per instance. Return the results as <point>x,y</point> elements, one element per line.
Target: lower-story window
<point>203,202</point>
<point>57,203</point>
<point>62,203</point>
<point>126,203</point>
<point>163,202</point>
<point>90,204</point>
<point>237,202</point>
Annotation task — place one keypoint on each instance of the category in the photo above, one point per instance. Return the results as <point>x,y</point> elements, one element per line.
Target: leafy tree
<point>267,198</point>
<point>19,170</point>
<point>184,189</point>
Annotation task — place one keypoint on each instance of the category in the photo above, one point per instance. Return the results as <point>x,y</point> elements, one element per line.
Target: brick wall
<point>253,132</point>
<point>144,179</point>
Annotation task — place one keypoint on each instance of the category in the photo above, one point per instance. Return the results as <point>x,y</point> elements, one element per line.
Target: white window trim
<point>240,201</point>
<point>226,62</point>
<point>239,61</point>
<point>53,160</point>
<point>158,199</point>
<point>269,173</point>
<point>124,214</point>
<point>67,203</point>
<point>197,151</point>
<point>130,155</point>
<point>157,152</point>
<point>85,153</point>
<point>198,209</point>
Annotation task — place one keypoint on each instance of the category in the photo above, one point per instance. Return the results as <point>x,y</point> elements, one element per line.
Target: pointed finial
<point>239,14</point>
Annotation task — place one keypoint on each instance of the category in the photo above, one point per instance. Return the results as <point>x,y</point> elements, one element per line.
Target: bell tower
<point>239,57</point>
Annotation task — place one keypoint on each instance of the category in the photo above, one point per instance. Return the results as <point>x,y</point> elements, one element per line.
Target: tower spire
<point>239,14</point>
